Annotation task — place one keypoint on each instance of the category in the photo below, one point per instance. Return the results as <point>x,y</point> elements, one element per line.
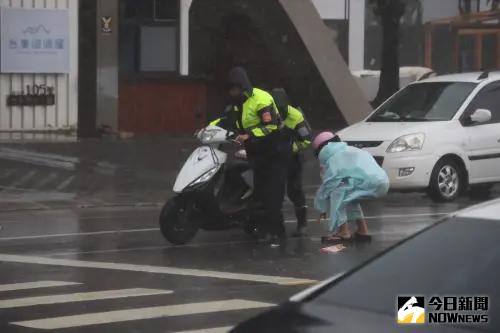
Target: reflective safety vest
<point>296,122</point>
<point>250,119</point>
<point>260,116</point>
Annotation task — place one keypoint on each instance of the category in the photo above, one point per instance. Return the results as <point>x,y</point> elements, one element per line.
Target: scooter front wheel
<point>179,220</point>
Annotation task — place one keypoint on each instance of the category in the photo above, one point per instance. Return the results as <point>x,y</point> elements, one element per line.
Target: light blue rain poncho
<point>349,175</point>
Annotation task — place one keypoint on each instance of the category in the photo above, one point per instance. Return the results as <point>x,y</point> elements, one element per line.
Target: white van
<point>441,134</point>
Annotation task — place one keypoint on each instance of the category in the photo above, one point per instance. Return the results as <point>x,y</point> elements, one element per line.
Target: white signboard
<point>34,40</point>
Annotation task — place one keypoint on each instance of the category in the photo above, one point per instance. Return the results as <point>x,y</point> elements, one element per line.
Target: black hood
<point>238,77</point>
<point>281,100</point>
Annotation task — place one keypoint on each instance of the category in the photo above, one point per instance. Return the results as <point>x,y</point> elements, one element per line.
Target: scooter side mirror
<point>198,134</point>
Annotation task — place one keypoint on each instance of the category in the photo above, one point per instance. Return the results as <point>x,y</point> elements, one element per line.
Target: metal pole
<point>185,5</point>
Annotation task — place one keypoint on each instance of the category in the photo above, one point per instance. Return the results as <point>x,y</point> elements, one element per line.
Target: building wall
<point>353,12</point>
<point>434,10</point>
<point>107,65</point>
<point>332,9</point>
<point>64,113</point>
<point>262,38</point>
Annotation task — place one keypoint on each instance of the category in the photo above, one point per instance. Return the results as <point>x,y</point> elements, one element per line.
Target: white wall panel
<point>65,112</point>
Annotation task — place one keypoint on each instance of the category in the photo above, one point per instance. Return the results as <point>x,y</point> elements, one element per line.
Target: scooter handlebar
<point>231,138</point>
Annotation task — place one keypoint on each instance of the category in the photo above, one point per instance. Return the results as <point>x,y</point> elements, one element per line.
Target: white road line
<point>79,234</point>
<point>309,291</point>
<point>48,156</point>
<point>119,316</point>
<point>407,216</point>
<point>80,297</point>
<point>16,219</point>
<point>121,231</point>
<point>280,280</point>
<point>382,217</point>
<point>210,330</point>
<point>51,177</point>
<point>126,231</point>
<point>403,232</point>
<point>65,183</point>
<point>134,249</point>
<point>24,179</point>
<point>38,158</point>
<point>35,285</point>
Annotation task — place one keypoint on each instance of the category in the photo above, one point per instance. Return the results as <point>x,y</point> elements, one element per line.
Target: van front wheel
<point>447,180</point>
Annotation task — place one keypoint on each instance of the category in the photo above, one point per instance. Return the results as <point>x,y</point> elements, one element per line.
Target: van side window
<point>489,99</point>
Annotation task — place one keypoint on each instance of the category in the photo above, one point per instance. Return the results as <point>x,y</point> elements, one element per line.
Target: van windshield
<point>433,101</point>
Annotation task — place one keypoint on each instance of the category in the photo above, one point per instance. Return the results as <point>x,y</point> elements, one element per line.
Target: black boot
<point>301,214</point>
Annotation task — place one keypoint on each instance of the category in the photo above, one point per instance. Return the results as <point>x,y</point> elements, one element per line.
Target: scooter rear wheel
<point>179,220</point>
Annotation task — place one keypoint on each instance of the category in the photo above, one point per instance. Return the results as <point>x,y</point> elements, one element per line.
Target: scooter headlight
<point>206,176</point>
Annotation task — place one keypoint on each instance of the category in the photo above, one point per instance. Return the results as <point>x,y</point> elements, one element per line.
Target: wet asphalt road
<point>71,246</point>
<point>108,269</point>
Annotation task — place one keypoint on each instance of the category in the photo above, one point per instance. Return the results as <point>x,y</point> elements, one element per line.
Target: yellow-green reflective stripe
<point>215,122</point>
<point>258,132</point>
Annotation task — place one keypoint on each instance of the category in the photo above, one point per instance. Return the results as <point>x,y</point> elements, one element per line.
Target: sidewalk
<point>90,172</point>
<point>59,173</point>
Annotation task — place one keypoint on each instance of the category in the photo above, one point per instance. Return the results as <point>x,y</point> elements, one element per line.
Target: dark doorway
<point>154,98</point>
<point>235,41</point>
<point>260,36</point>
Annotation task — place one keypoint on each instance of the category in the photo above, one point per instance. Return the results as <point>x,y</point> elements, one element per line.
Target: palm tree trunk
<point>389,76</point>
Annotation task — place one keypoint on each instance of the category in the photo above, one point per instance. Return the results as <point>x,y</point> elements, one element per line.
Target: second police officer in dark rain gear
<point>268,148</point>
<point>300,133</point>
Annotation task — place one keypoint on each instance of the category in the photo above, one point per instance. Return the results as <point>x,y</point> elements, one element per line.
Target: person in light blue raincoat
<point>349,175</point>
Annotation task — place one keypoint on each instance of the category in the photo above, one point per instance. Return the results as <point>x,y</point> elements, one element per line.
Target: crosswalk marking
<point>24,179</point>
<point>210,330</point>
<point>141,314</point>
<point>280,280</point>
<point>35,285</point>
<point>46,180</point>
<point>47,160</point>
<point>79,297</point>
<point>65,183</point>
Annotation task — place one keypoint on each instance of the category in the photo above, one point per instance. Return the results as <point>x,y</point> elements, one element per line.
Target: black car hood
<point>330,318</point>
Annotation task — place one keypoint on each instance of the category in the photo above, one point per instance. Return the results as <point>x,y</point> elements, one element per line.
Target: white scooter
<point>211,193</point>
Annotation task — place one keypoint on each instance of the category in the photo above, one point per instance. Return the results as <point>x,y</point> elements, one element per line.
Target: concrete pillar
<point>87,64</point>
<point>107,64</point>
<point>185,5</point>
<point>357,34</point>
<point>317,39</point>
